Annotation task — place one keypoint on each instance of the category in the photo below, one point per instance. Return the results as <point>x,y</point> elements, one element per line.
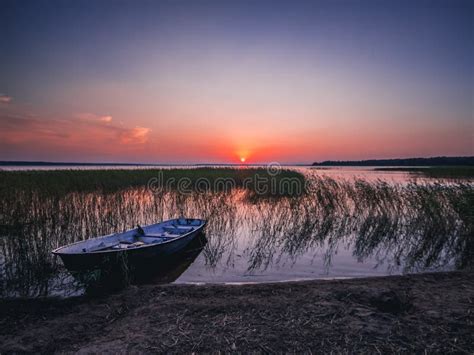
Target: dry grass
<point>419,313</point>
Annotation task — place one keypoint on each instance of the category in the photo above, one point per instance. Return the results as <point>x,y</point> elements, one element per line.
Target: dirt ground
<point>415,313</point>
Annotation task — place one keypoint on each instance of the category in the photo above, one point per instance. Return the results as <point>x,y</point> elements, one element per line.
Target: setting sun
<point>242,160</point>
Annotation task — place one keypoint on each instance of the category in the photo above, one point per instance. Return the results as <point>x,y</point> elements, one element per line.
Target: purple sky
<point>217,81</point>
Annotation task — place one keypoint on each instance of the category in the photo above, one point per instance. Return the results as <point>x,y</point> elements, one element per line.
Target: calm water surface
<point>352,223</point>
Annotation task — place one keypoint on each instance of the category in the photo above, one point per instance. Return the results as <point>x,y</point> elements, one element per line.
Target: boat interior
<point>153,234</point>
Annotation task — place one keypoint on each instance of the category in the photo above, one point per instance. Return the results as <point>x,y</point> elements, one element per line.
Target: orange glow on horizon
<point>87,137</point>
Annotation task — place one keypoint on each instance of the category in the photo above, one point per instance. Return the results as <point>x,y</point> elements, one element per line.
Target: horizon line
<point>43,162</point>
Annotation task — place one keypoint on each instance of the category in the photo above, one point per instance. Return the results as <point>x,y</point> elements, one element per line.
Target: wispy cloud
<point>105,119</point>
<point>92,117</point>
<point>137,135</point>
<point>87,133</point>
<point>5,99</point>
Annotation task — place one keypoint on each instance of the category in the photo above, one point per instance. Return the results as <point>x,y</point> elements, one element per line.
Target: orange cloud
<point>87,134</point>
<point>105,119</point>
<point>137,135</point>
<point>91,117</point>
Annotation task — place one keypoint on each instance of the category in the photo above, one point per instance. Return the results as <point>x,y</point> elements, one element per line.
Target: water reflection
<point>118,274</point>
<point>409,226</point>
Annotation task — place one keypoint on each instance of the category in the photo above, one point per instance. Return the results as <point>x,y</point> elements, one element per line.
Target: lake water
<point>351,223</point>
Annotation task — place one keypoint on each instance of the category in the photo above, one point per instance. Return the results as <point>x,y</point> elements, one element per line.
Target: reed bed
<point>413,226</point>
<point>63,182</point>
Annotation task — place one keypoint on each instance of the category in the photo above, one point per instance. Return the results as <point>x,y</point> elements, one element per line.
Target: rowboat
<point>137,249</point>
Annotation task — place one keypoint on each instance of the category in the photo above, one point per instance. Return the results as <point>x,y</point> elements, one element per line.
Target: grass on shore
<point>60,182</point>
<point>397,314</point>
<point>447,172</point>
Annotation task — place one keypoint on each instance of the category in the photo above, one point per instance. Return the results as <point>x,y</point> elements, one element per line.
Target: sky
<point>222,81</point>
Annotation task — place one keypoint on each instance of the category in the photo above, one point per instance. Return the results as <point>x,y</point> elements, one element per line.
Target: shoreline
<point>378,314</point>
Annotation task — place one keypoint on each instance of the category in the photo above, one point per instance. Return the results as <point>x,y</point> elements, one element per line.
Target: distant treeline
<point>435,161</point>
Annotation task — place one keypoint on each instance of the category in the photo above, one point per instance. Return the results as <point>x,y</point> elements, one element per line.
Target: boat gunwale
<point>57,251</point>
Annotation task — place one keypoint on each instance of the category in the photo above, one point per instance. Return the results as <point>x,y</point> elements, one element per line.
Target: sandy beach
<point>414,313</point>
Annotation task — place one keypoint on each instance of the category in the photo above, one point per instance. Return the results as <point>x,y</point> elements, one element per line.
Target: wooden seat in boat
<point>177,229</point>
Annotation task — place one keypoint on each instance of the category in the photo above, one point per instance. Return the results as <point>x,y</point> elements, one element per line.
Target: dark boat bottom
<point>120,272</point>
